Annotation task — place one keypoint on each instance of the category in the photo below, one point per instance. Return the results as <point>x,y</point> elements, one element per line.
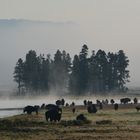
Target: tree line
<point>101,72</point>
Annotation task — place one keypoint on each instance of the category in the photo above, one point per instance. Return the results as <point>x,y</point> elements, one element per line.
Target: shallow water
<point>8,113</point>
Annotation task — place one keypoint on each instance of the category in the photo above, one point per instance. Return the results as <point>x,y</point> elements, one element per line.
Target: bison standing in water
<point>29,109</point>
<point>53,115</point>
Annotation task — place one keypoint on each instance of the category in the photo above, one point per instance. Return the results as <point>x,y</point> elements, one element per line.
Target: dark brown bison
<point>135,100</point>
<point>43,106</point>
<point>112,101</point>
<point>137,108</point>
<point>81,117</point>
<point>52,106</point>
<point>92,108</point>
<point>72,104</point>
<point>116,106</point>
<point>53,115</point>
<point>85,102</point>
<point>125,100</point>
<point>73,110</point>
<point>29,109</point>
<point>67,104</point>
<point>60,102</point>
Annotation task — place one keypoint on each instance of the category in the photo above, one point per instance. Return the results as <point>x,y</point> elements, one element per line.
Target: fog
<point>110,25</point>
<point>12,106</point>
<point>17,37</point>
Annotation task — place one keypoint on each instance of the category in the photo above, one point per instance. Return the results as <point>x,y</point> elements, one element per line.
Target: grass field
<point>106,124</point>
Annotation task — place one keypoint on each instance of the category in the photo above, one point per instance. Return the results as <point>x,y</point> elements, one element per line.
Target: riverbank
<point>106,124</point>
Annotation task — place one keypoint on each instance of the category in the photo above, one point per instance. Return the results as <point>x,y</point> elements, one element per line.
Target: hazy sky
<point>101,24</point>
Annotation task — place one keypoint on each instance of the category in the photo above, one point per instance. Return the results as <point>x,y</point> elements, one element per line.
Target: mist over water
<point>9,100</point>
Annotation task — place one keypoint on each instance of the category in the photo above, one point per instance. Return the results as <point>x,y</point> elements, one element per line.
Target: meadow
<point>106,124</point>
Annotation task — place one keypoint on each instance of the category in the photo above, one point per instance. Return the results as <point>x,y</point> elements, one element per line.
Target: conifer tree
<point>18,74</point>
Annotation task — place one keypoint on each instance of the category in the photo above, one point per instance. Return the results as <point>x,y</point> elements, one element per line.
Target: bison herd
<point>54,111</point>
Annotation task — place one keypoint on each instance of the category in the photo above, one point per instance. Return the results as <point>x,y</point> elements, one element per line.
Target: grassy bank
<point>106,124</point>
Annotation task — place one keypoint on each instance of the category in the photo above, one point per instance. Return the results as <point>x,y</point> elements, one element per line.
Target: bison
<point>43,106</point>
<point>53,115</point>
<point>73,110</point>
<point>60,102</point>
<point>85,102</point>
<point>52,106</point>
<point>29,109</point>
<point>135,100</point>
<point>137,108</point>
<point>112,101</point>
<point>81,117</point>
<point>116,106</point>
<point>92,108</point>
<point>125,100</point>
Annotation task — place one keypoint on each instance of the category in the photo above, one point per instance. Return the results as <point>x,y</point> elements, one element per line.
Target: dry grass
<point>107,124</point>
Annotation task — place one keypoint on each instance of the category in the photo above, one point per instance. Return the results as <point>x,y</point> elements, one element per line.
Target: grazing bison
<point>43,106</point>
<point>125,100</point>
<point>116,106</point>
<point>51,106</point>
<point>72,104</point>
<point>85,102</point>
<point>100,106</point>
<point>58,102</point>
<point>67,104</point>
<point>137,108</point>
<point>29,109</point>
<point>112,101</point>
<point>106,101</point>
<point>89,103</point>
<point>63,102</point>
<point>53,115</point>
<point>135,100</point>
<point>81,117</point>
<point>98,102</point>
<point>92,108</point>
<point>73,110</point>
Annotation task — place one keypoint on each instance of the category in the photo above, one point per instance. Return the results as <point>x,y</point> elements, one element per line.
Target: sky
<point>110,25</point>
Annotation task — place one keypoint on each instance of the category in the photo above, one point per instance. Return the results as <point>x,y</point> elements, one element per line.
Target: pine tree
<point>74,83</point>
<point>122,72</point>
<point>44,72</point>
<point>31,70</point>
<point>112,71</point>
<point>18,74</point>
<point>101,60</point>
<point>93,74</point>
<point>84,69</point>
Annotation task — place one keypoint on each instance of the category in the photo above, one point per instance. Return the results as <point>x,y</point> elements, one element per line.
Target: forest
<point>100,72</point>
